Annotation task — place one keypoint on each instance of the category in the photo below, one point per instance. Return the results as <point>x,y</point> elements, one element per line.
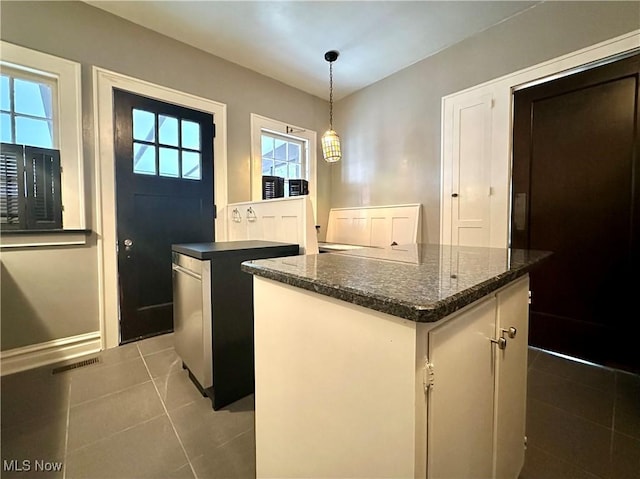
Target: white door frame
<point>103,83</point>
<point>502,90</point>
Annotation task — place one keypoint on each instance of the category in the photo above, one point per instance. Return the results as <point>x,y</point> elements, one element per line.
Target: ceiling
<point>286,40</point>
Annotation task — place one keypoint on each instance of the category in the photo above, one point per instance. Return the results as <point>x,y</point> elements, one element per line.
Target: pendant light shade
<point>331,146</point>
<point>330,140</point>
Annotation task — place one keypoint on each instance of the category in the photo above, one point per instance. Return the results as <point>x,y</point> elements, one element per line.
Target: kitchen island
<point>408,361</point>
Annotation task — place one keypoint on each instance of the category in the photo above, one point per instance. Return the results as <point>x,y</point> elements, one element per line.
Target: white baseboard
<point>36,355</point>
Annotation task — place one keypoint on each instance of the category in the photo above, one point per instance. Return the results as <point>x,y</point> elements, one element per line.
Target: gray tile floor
<point>135,414</point>
<point>583,421</point>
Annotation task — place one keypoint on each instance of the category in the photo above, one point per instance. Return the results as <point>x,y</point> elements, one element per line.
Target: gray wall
<point>50,293</point>
<point>391,130</point>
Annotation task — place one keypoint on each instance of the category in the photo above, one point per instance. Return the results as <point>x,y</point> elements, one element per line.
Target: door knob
<point>511,332</point>
<point>128,244</point>
<point>501,342</point>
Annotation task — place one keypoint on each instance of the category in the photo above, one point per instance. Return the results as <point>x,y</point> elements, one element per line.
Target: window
<point>41,133</point>
<point>166,146</point>
<point>29,164</point>
<point>284,150</point>
<point>283,156</point>
<point>27,109</point>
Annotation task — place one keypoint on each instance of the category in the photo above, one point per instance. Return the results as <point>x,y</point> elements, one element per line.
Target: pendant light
<point>330,140</point>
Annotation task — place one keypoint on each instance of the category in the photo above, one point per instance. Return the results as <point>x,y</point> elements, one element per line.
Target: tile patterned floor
<point>135,414</point>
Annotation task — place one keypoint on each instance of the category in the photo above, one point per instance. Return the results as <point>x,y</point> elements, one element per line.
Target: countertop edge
<point>413,312</point>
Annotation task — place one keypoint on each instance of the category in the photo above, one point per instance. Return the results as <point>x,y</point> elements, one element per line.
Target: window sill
<point>34,238</point>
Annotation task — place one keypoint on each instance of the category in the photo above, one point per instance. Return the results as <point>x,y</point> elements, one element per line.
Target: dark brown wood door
<point>164,187</point>
<point>576,193</point>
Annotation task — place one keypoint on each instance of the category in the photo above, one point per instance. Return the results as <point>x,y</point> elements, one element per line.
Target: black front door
<point>576,187</point>
<point>164,191</point>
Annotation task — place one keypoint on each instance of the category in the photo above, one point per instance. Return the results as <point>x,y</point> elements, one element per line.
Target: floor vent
<point>79,364</point>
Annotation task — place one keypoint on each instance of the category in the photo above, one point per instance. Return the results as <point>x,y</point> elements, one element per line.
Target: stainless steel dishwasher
<point>213,314</point>
<point>192,316</point>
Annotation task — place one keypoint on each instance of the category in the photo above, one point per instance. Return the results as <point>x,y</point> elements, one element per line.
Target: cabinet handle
<point>501,342</point>
<point>511,332</point>
<point>251,215</point>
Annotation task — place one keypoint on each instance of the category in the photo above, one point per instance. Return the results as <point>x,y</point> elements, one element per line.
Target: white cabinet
<point>476,405</point>
<point>286,220</point>
<point>460,401</point>
<point>345,391</point>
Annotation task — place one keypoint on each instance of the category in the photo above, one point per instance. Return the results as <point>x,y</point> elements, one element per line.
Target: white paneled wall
<point>286,220</point>
<point>375,225</point>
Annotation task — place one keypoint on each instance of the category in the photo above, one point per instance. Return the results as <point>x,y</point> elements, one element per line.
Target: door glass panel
<point>144,159</point>
<point>34,132</point>
<point>190,135</point>
<point>144,125</point>
<point>5,103</point>
<point>169,162</point>
<point>191,165</point>
<point>168,131</point>
<point>32,98</point>
<point>5,128</point>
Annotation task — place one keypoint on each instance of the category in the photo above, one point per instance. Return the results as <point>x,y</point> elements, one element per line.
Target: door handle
<point>128,244</point>
<point>501,342</point>
<point>511,332</point>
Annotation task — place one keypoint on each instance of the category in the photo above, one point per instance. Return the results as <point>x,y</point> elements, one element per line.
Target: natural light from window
<point>27,111</point>
<point>284,157</point>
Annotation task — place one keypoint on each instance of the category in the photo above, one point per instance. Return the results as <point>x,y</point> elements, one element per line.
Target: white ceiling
<point>286,40</point>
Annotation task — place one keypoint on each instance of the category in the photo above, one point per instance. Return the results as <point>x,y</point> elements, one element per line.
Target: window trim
<point>68,108</point>
<point>259,123</point>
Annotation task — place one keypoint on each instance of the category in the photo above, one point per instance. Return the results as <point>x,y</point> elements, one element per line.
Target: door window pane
<point>34,132</point>
<point>5,103</point>
<point>144,159</point>
<point>168,130</point>
<point>32,98</point>
<point>169,165</point>
<point>144,125</point>
<point>191,165</point>
<point>190,135</point>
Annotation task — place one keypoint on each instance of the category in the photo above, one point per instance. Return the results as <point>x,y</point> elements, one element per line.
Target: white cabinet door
<point>460,403</point>
<point>511,387</point>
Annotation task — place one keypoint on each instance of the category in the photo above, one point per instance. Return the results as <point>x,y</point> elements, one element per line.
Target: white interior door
<point>467,189</point>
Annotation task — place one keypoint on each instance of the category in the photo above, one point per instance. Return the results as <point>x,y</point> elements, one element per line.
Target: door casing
<point>501,131</point>
<point>105,224</point>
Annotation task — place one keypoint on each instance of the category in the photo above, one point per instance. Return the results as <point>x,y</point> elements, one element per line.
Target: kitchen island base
<point>342,390</point>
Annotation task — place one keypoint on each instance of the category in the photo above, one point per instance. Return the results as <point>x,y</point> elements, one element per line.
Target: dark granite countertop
<point>211,250</point>
<point>422,283</point>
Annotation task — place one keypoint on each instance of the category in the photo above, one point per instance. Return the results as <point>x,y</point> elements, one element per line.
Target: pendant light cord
<point>331,95</point>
